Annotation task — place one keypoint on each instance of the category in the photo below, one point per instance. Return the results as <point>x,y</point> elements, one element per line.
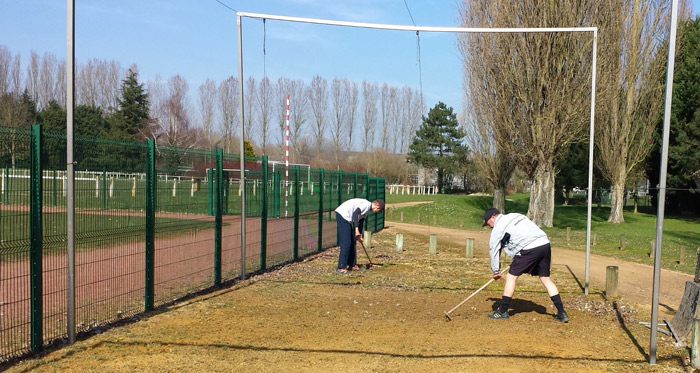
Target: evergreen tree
<point>248,150</point>
<point>132,115</point>
<point>684,138</point>
<point>437,142</point>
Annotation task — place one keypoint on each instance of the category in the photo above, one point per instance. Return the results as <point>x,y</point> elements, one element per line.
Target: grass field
<point>466,211</point>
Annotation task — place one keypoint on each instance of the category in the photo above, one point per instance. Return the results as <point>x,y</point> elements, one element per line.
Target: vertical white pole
<point>590,161</point>
<point>242,143</point>
<point>662,181</point>
<point>70,169</point>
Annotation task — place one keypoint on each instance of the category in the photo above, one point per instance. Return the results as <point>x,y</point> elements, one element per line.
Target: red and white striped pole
<point>286,161</point>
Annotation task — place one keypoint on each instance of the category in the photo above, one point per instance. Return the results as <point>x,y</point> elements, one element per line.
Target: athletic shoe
<point>562,316</point>
<point>341,271</point>
<point>498,315</point>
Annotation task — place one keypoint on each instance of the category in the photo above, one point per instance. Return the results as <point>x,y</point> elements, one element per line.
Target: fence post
<point>275,193</point>
<point>210,192</point>
<point>54,187</point>
<point>354,189</point>
<point>376,195</point>
<point>432,247</point>
<point>399,242</point>
<point>469,249</point>
<point>681,256</point>
<point>104,188</point>
<point>7,185</point>
<point>150,224</point>
<point>263,216</point>
<point>218,196</point>
<point>35,227</point>
<point>295,252</point>
<point>319,244</point>
<point>611,281</point>
<point>340,183</point>
<point>695,345</point>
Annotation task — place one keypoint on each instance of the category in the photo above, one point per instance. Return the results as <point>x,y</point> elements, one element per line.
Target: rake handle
<point>475,293</point>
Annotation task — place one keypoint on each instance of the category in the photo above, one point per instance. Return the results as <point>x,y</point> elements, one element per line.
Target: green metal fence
<point>152,224</point>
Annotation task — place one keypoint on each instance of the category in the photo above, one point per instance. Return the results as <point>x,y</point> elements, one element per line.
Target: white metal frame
<point>594,30</point>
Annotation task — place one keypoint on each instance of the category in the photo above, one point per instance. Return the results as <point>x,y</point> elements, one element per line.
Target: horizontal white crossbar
<point>414,28</point>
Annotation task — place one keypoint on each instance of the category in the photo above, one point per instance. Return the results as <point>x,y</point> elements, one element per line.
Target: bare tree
<point>265,97</point>
<point>533,84</point>
<point>32,84</point>
<point>47,80</point>
<point>633,70</point>
<point>394,117</point>
<point>353,102</point>
<point>16,76</point>
<point>250,101</point>
<point>298,107</point>
<point>228,107</point>
<point>60,90</point>
<point>207,108</point>
<point>283,89</point>
<point>319,105</point>
<point>340,101</point>
<point>369,113</point>
<point>5,66</point>
<point>385,113</point>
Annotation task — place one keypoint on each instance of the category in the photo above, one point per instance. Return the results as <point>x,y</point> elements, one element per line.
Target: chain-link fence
<point>152,224</point>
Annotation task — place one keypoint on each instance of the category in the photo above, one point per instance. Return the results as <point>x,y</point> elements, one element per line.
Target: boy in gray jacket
<point>529,247</point>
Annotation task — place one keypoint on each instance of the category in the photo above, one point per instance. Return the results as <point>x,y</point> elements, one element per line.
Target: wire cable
<point>420,68</point>
<point>226,6</point>
<point>264,51</point>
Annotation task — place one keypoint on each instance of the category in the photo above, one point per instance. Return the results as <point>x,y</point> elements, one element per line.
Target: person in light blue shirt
<point>530,249</point>
<point>350,218</point>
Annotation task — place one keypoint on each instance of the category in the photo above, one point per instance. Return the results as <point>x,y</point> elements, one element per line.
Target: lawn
<point>637,232</point>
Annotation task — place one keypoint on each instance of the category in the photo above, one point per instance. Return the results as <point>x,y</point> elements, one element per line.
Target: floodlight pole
<point>242,142</point>
<point>70,171</point>
<point>662,182</point>
<point>590,161</point>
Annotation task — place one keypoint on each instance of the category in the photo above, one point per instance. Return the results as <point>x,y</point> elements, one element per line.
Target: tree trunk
<point>499,199</point>
<point>541,207</point>
<point>617,199</point>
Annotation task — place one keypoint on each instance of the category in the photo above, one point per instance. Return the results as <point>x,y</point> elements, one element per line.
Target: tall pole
<point>662,182</point>
<point>70,168</point>
<point>242,152</point>
<point>590,161</point>
<point>286,161</point>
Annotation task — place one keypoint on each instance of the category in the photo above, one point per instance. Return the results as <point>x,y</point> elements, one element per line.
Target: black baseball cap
<point>488,214</point>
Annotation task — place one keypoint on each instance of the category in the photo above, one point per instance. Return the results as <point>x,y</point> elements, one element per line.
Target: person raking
<point>530,249</point>
<point>350,217</point>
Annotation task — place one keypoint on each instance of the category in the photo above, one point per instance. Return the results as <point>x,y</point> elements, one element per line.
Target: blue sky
<point>197,39</point>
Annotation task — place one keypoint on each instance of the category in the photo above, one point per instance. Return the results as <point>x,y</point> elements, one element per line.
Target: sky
<point>198,40</point>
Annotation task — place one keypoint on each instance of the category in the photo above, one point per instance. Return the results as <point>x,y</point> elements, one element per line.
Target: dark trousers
<point>346,240</point>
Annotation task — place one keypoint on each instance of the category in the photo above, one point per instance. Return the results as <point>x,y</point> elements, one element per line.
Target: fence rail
<point>152,224</point>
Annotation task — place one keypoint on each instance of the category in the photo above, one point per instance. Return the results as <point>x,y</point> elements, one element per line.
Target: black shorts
<point>535,261</point>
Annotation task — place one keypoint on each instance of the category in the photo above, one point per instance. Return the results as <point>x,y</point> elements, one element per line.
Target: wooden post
<point>695,345</point>
<point>367,238</point>
<point>432,249</point>
<point>470,248</point>
<point>622,242</point>
<point>651,248</point>
<point>419,217</point>
<point>611,281</point>
<point>681,256</point>
<point>399,242</point>
<point>401,215</point>
<point>595,238</point>
<point>568,234</point>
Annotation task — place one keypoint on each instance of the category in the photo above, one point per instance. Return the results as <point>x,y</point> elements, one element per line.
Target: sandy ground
<point>304,317</point>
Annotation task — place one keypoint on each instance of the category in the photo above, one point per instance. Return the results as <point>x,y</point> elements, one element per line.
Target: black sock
<point>505,303</point>
<point>557,303</point>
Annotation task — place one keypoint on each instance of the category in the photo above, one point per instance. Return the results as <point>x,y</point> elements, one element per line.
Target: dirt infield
<point>305,317</point>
